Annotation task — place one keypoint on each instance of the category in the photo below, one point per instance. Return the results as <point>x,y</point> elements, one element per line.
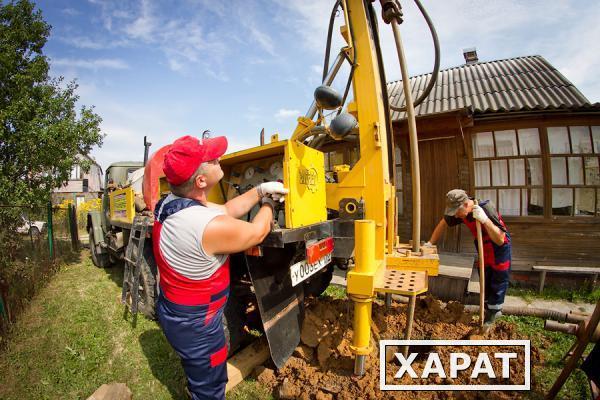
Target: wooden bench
<point>543,269</point>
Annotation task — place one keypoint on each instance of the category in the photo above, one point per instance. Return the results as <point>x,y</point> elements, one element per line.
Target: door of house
<point>439,174</point>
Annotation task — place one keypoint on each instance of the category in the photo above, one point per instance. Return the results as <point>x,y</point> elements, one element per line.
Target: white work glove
<point>273,189</point>
<point>479,214</point>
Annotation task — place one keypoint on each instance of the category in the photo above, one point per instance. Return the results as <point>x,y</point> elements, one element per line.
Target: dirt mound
<point>322,365</point>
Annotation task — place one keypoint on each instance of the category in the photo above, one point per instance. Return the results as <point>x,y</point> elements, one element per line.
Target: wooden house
<point>519,133</point>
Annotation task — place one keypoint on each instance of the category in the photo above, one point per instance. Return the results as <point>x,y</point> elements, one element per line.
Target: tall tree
<point>41,130</point>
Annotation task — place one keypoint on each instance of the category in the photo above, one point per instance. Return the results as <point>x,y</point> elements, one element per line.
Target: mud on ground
<point>321,367</point>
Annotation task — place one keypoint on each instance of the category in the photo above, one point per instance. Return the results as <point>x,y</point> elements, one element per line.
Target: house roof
<point>517,84</point>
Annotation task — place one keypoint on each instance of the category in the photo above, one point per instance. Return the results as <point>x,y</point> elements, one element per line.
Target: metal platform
<point>408,283</point>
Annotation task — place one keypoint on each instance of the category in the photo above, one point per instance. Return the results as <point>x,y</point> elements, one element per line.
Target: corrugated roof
<point>516,84</point>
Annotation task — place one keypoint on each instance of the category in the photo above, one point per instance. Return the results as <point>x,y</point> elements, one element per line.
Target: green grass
<point>335,291</point>
<point>578,295</point>
<point>249,390</point>
<point>74,336</point>
<point>552,346</point>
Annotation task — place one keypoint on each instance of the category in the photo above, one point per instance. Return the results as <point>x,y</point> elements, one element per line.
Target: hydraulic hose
<point>372,17</point>
<point>329,34</point>
<point>436,65</point>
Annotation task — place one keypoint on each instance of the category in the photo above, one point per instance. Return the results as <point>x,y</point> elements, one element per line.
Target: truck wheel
<point>233,324</point>
<point>147,291</point>
<point>100,260</point>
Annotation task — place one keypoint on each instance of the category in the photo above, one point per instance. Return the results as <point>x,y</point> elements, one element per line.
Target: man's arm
<point>438,231</point>
<point>496,234</point>
<point>242,204</point>
<point>239,205</point>
<point>226,234</point>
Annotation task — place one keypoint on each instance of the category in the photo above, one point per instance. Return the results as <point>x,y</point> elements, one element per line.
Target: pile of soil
<point>322,365</point>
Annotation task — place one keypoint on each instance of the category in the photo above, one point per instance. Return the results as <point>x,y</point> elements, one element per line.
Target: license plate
<point>302,271</point>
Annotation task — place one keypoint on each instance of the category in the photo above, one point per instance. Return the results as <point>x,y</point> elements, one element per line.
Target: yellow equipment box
<point>122,208</point>
<point>300,168</point>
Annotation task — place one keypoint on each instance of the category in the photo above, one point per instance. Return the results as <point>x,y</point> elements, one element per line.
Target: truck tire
<point>100,260</point>
<point>233,325</point>
<point>147,291</point>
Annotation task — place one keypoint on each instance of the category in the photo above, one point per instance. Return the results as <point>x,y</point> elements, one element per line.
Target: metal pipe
<point>534,312</point>
<point>414,144</point>
<point>337,64</point>
<point>571,329</point>
<point>410,315</point>
<point>147,145</point>
<point>50,231</point>
<point>359,365</point>
<point>554,326</point>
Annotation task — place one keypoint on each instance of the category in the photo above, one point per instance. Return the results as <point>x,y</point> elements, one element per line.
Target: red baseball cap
<point>187,153</point>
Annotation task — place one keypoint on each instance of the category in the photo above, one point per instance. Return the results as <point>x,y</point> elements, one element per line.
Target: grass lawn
<point>553,293</point>
<point>75,336</point>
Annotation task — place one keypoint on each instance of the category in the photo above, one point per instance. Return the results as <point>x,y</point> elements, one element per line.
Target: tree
<point>41,132</point>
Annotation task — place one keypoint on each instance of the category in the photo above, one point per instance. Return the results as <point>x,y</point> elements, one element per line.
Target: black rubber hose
<point>329,34</point>
<point>386,98</point>
<point>436,65</point>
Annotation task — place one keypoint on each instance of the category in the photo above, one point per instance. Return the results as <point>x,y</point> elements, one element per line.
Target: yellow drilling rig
<point>340,212</point>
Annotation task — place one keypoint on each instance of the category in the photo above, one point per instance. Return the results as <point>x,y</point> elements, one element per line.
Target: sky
<point>164,69</point>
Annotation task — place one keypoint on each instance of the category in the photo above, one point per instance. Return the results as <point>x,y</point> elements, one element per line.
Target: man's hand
<point>479,214</point>
<point>273,189</point>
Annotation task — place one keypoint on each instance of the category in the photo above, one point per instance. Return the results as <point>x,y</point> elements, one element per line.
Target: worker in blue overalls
<point>461,209</point>
<point>192,240</point>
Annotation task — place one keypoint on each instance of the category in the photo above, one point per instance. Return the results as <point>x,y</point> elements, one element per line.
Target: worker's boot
<point>490,317</point>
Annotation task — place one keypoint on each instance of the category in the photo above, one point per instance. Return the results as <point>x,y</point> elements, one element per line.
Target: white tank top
<point>181,241</point>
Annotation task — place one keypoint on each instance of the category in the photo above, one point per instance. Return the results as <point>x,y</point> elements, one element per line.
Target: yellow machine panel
<point>300,168</point>
<point>122,208</point>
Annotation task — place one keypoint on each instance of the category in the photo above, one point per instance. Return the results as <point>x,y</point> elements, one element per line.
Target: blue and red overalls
<point>190,313</point>
<point>497,258</point>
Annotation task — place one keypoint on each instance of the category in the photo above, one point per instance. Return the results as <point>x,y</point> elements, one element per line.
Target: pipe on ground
<point>535,312</point>
<point>571,329</point>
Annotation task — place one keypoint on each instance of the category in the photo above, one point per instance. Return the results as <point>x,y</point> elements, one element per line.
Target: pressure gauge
<point>249,173</point>
<point>276,169</point>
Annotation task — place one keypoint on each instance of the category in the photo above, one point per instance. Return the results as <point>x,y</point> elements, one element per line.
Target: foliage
<point>335,292</point>
<point>41,132</point>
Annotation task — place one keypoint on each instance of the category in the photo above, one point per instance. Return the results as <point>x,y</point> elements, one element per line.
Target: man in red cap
<point>497,249</point>
<point>192,239</point>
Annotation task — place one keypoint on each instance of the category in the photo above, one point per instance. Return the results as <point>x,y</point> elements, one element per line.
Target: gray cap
<point>454,199</point>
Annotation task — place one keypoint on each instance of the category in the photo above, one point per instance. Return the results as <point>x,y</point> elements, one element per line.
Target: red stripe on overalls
<point>490,256</point>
